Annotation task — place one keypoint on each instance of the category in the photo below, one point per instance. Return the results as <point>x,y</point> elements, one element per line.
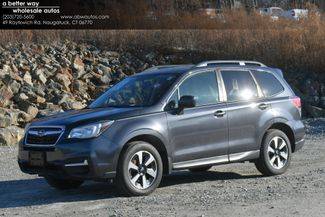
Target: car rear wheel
<point>200,169</point>
<point>275,156</point>
<point>140,169</point>
<point>63,184</point>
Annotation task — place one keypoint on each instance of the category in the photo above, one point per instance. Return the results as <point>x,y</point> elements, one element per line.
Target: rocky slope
<point>40,79</point>
<point>37,80</point>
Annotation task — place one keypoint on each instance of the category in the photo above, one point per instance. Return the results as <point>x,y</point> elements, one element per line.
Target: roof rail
<point>163,67</point>
<point>230,62</point>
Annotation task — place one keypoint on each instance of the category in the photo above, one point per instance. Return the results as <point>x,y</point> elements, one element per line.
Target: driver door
<point>200,132</point>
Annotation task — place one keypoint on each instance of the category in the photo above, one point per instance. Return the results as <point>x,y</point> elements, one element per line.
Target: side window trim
<point>259,91</point>
<point>221,86</point>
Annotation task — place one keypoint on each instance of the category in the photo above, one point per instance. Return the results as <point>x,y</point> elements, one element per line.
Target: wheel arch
<point>155,140</point>
<point>281,124</point>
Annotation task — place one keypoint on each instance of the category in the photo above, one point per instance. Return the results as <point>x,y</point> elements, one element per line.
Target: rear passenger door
<point>246,108</point>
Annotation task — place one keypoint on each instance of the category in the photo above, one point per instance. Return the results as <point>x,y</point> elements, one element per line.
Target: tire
<point>275,157</point>
<point>200,169</point>
<point>136,177</point>
<point>63,184</point>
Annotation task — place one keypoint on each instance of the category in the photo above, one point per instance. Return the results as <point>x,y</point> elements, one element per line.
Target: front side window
<point>137,91</point>
<point>269,84</point>
<point>239,85</point>
<point>203,87</point>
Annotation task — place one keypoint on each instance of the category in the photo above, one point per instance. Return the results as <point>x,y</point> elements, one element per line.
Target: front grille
<point>43,135</point>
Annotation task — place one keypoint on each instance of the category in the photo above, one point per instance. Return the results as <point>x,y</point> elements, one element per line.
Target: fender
<point>269,124</point>
<point>140,132</point>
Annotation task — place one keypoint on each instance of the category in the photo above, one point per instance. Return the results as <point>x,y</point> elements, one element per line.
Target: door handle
<point>263,106</point>
<point>219,113</point>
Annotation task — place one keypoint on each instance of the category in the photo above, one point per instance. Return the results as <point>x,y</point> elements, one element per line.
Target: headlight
<point>89,131</point>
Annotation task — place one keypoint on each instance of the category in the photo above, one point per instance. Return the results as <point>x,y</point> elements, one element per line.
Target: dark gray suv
<point>170,118</point>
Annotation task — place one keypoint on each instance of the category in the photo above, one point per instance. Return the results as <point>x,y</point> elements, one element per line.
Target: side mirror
<point>186,102</point>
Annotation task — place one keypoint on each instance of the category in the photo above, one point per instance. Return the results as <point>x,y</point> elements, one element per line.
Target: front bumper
<point>91,159</point>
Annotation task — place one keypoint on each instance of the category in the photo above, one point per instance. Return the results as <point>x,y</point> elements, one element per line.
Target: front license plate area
<point>36,158</point>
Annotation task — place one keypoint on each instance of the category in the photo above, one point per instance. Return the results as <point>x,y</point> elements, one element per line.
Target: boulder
<point>37,99</point>
<point>64,80</point>
<point>28,107</point>
<point>76,105</point>
<point>5,96</point>
<point>28,78</point>
<point>15,86</point>
<point>32,110</point>
<point>5,121</point>
<point>15,116</point>
<point>11,136</point>
<point>78,67</point>
<point>40,76</point>
<point>315,112</point>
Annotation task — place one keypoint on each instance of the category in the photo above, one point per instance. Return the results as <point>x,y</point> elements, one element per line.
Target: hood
<point>86,116</point>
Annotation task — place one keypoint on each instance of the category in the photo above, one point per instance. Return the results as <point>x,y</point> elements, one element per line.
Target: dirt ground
<point>228,190</point>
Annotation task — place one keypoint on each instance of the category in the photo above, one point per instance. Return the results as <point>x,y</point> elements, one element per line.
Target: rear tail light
<point>296,102</point>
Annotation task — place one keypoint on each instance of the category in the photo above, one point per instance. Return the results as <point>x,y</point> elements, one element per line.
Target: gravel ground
<point>232,190</point>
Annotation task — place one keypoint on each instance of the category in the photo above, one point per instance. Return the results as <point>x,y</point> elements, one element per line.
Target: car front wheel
<point>140,169</point>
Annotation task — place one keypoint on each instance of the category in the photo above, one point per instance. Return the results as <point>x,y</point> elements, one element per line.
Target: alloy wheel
<point>142,170</point>
<point>277,152</point>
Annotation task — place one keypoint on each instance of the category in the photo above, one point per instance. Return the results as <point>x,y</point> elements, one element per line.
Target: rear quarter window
<point>268,83</point>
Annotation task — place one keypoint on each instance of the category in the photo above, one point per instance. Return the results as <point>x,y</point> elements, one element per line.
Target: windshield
<point>136,91</point>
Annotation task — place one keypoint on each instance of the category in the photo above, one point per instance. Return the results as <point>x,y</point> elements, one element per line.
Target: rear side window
<point>269,84</point>
<point>203,87</point>
<point>239,85</point>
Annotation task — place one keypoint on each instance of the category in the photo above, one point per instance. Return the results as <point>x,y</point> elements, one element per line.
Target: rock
<point>76,105</point>
<point>22,96</point>
<point>64,80</point>
<point>28,78</point>
<point>104,61</point>
<point>48,112</point>
<point>15,116</point>
<point>5,95</point>
<point>315,112</point>
<point>15,86</point>
<point>32,110</point>
<point>78,67</point>
<point>28,107</point>
<point>150,56</point>
<point>45,60</point>
<point>10,136</point>
<point>112,54</point>
<point>39,74</point>
<point>5,121</point>
<point>105,80</point>
<point>37,99</point>
<point>79,86</point>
